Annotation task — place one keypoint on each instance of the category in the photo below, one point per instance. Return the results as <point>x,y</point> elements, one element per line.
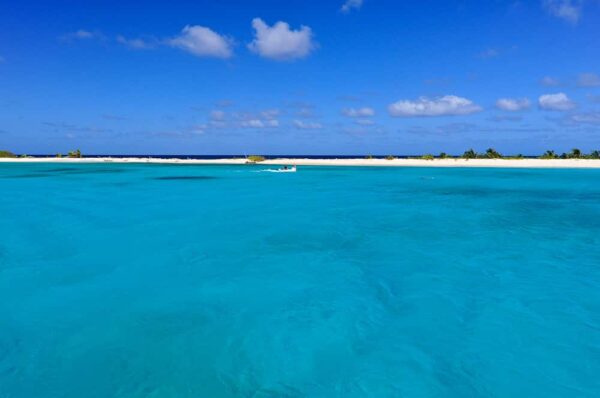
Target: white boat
<point>286,169</point>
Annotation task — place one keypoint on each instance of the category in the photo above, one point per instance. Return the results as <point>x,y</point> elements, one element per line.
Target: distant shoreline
<point>401,162</point>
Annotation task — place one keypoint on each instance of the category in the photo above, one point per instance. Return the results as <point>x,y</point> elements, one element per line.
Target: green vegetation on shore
<point>255,158</point>
<point>74,154</point>
<point>7,154</point>
<point>491,153</point>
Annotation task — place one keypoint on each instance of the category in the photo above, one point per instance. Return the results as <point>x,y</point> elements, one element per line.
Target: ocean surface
<point>124,280</point>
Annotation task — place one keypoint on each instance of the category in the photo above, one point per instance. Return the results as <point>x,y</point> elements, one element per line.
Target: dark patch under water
<point>32,175</point>
<point>84,171</point>
<point>167,178</point>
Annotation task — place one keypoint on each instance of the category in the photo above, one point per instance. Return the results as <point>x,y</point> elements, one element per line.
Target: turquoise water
<point>122,280</point>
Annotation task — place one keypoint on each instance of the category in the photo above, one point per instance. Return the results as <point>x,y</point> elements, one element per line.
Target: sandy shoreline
<point>505,163</point>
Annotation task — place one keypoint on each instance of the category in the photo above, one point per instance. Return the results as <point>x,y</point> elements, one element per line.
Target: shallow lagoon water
<point>124,280</point>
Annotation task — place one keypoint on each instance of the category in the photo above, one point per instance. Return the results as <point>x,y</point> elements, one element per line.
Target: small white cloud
<point>217,115</point>
<point>448,105</point>
<point>351,4</point>
<point>137,44</point>
<point>279,42</point>
<point>588,80</point>
<point>549,81</point>
<point>82,34</point>
<point>556,102</point>
<point>358,112</point>
<point>258,120</point>
<point>203,42</point>
<point>303,125</point>
<point>568,10</point>
<point>259,124</point>
<point>270,114</point>
<point>198,129</point>
<point>586,118</point>
<point>513,104</point>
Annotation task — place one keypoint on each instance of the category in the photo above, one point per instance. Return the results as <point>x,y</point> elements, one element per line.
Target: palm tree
<point>74,154</point>
<point>469,154</point>
<point>575,153</point>
<point>492,154</point>
<point>595,155</point>
<point>549,154</point>
<point>443,155</point>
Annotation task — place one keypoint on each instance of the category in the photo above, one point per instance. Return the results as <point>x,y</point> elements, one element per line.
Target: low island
<point>470,158</point>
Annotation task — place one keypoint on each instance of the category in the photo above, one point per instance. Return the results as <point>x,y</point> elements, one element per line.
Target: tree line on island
<point>71,154</point>
<point>490,153</point>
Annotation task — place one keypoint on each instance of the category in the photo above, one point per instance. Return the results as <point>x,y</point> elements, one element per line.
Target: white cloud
<point>443,106</point>
<point>568,10</point>
<point>302,125</point>
<point>279,42</point>
<point>513,104</point>
<point>358,112</point>
<point>556,102</point>
<point>549,81</point>
<point>203,42</point>
<point>270,114</point>
<point>259,124</point>
<point>137,44</point>
<point>586,118</point>
<point>350,4</point>
<point>263,119</point>
<point>198,129</point>
<point>588,80</point>
<point>82,34</point>
<point>217,115</point>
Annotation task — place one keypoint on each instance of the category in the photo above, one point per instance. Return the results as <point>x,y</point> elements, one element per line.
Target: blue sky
<point>299,77</point>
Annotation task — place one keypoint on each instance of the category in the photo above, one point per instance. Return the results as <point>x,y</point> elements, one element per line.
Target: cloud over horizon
<point>202,42</point>
<point>448,105</point>
<point>349,5</point>
<point>568,10</point>
<point>304,125</point>
<point>513,104</point>
<point>279,42</point>
<point>549,81</point>
<point>82,34</point>
<point>556,102</point>
<point>588,80</point>
<point>358,112</point>
<point>136,44</point>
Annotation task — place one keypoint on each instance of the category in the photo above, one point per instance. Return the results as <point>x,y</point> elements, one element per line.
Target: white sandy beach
<point>504,163</point>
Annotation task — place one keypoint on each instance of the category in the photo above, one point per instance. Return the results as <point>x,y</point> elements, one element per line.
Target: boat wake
<point>282,170</point>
